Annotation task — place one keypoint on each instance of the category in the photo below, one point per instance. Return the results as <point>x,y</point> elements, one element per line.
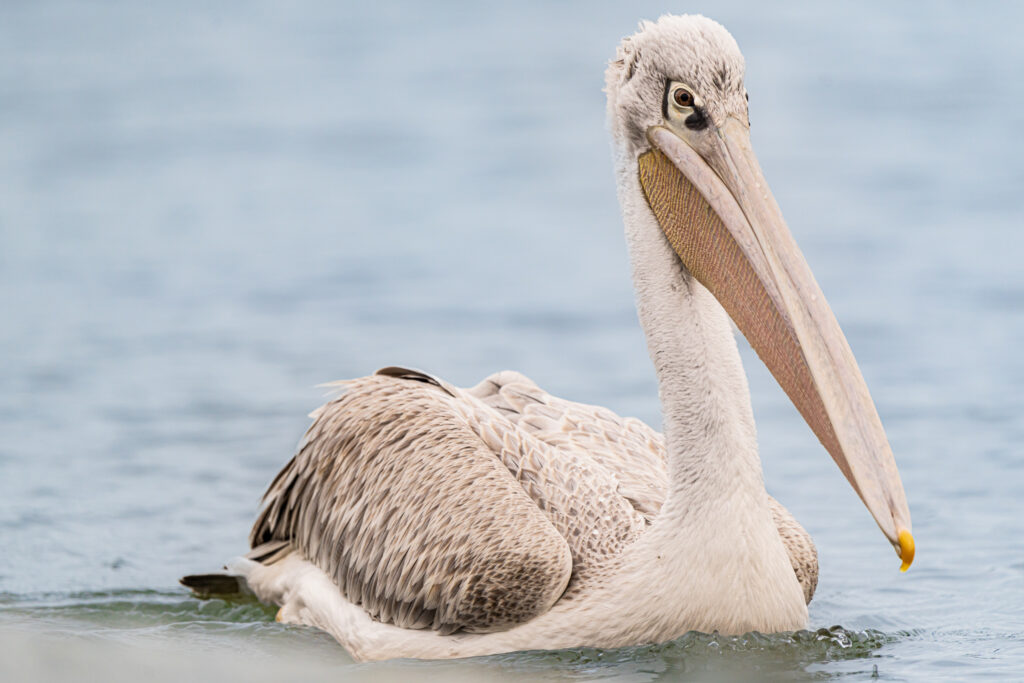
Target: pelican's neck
<point>708,420</point>
<point>713,558</point>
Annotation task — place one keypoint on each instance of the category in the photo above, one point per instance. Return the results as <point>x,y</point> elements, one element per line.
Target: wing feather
<point>396,499</point>
<point>626,447</point>
<point>633,453</point>
<point>579,495</point>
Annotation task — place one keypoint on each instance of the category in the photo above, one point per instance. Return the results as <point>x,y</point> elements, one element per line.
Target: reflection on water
<point>206,211</point>
<point>168,623</point>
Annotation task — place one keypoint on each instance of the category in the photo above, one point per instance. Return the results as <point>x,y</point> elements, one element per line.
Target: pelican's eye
<point>681,107</point>
<point>682,97</point>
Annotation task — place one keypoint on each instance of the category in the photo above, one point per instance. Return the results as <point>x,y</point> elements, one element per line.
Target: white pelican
<point>423,520</point>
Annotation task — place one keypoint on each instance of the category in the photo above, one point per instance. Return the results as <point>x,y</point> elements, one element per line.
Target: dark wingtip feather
<point>415,375</point>
<point>215,585</point>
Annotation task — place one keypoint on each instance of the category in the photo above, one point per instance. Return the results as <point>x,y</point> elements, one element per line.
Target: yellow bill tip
<point>906,549</point>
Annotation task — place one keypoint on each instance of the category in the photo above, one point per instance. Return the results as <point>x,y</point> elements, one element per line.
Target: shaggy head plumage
<point>690,49</point>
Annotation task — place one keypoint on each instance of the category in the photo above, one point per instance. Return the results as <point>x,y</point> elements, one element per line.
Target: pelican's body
<point>423,520</point>
<point>594,488</point>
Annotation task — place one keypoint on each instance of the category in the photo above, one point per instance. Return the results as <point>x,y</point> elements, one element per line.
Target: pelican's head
<point>683,71</point>
<point>678,112</point>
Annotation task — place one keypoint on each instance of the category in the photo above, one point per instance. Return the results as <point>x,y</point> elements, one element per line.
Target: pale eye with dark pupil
<point>683,98</point>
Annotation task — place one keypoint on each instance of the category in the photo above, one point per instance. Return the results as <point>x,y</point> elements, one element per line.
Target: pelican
<point>423,520</point>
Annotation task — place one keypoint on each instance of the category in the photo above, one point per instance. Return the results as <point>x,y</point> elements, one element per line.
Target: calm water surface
<point>206,212</point>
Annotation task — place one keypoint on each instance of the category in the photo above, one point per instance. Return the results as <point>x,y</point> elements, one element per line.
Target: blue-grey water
<point>206,210</point>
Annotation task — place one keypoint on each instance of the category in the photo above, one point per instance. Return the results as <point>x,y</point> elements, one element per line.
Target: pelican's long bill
<point>720,217</point>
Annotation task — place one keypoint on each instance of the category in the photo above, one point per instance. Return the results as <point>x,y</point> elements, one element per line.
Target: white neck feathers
<point>714,549</point>
<point>708,420</point>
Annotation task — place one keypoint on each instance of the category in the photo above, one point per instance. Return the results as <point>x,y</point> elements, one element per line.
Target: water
<point>205,212</point>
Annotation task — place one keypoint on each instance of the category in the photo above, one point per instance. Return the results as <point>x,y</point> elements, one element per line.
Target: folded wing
<point>415,519</point>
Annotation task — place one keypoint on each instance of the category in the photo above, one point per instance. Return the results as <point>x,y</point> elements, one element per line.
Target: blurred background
<point>205,211</point>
